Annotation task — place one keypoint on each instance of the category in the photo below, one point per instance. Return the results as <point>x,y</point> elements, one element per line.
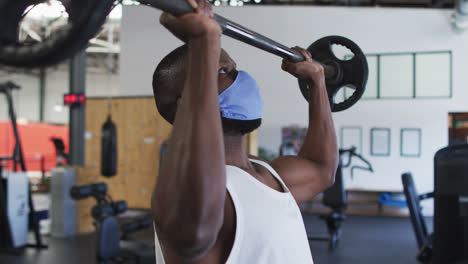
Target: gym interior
<point>81,140</point>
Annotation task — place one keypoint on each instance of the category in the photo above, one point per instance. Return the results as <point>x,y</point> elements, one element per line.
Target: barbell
<point>87,16</point>
<point>339,73</point>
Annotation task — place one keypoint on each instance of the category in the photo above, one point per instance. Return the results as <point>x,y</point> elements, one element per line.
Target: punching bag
<point>109,149</point>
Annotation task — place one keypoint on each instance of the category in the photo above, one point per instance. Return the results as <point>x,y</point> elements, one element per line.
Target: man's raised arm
<point>313,170</point>
<point>188,200</point>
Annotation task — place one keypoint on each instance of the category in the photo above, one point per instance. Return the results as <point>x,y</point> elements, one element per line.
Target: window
<point>408,76</point>
<point>433,75</point>
<point>396,76</point>
<point>372,82</point>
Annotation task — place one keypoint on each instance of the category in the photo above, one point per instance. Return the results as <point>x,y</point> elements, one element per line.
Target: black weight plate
<point>352,73</point>
<point>85,19</point>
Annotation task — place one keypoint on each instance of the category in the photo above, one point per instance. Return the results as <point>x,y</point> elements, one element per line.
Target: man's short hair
<point>167,85</point>
<point>168,82</point>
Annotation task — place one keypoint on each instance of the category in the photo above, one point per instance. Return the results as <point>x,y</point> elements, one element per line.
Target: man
<point>212,204</point>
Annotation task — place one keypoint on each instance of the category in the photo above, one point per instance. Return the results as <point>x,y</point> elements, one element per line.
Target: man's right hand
<point>193,25</point>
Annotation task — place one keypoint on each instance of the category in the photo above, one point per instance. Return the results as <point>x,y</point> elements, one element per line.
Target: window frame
<point>414,54</point>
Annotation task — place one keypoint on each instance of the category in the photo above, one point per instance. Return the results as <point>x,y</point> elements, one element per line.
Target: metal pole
<point>18,151</point>
<point>42,84</point>
<point>77,113</point>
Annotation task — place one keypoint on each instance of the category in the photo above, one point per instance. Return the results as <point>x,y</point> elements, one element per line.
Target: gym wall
<point>28,105</point>
<point>377,30</point>
<point>26,100</point>
<point>140,133</point>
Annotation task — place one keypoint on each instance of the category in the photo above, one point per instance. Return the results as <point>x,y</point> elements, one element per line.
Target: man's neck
<point>235,152</point>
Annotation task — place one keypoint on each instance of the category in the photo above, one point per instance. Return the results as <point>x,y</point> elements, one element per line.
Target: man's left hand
<point>307,70</point>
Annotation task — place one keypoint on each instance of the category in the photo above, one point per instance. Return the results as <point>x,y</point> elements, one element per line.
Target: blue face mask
<point>241,100</point>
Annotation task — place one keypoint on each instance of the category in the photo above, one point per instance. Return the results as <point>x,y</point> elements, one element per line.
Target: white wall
<point>28,106</point>
<point>26,101</point>
<point>57,84</point>
<point>377,30</point>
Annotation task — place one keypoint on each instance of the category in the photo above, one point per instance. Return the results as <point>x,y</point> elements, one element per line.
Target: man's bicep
<point>304,178</point>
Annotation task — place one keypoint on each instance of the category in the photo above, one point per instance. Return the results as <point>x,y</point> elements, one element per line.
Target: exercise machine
<point>451,205</point>
<point>335,197</point>
<point>62,156</point>
<point>9,227</point>
<point>448,244</point>
<point>110,233</point>
<point>413,199</point>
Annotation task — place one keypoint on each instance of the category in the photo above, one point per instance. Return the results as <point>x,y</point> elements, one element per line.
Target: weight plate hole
<point>42,20</point>
<point>344,93</point>
<point>342,52</point>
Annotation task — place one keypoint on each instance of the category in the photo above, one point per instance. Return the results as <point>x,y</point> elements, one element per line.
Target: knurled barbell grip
<point>236,31</point>
<point>257,40</point>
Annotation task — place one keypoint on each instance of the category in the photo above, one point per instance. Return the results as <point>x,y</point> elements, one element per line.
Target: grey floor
<point>365,240</point>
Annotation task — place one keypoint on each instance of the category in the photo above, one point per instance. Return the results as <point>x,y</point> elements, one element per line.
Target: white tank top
<point>269,225</point>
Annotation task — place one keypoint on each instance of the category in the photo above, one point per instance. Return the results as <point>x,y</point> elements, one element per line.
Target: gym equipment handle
<point>231,29</point>
<point>352,153</point>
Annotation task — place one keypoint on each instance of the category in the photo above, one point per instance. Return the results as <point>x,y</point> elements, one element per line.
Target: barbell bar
<point>337,72</point>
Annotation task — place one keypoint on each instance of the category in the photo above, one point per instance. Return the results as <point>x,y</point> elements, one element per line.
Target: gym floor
<point>365,240</point>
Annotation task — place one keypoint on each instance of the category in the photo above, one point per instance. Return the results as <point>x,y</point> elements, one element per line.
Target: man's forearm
<point>320,144</point>
<point>192,181</point>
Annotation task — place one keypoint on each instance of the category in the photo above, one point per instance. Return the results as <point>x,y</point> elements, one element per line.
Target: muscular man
<point>212,203</point>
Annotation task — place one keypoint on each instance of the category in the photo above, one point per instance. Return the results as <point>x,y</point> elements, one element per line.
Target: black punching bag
<point>109,149</point>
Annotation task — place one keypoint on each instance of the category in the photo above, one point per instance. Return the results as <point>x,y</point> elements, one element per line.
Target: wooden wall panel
<point>84,221</point>
<point>140,133</point>
<point>252,143</point>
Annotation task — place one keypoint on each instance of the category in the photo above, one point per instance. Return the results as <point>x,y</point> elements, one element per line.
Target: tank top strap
<point>272,171</point>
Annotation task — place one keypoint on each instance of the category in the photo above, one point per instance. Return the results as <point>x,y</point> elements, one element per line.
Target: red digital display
<point>73,99</point>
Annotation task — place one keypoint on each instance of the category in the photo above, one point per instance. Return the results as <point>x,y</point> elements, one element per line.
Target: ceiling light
<point>58,108</point>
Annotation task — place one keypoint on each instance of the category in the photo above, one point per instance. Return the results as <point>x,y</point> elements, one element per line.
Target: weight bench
<point>424,240</point>
<point>107,227</point>
<point>109,250</point>
<point>116,246</point>
<point>334,198</point>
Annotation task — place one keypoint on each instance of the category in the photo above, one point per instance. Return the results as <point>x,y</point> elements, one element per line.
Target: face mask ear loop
<point>232,85</point>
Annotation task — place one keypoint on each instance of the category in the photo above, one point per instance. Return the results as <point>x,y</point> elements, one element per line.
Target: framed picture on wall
<point>410,142</point>
<point>351,136</point>
<point>380,142</point>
